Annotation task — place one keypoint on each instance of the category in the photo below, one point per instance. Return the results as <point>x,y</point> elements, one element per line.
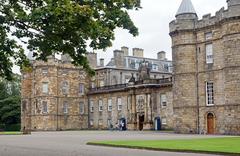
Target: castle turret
<point>182,31</point>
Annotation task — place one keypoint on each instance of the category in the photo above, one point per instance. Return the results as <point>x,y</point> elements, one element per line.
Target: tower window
<point>45,107</point>
<point>65,107</point>
<point>208,36</point>
<point>209,94</point>
<point>209,53</point>
<point>45,87</point>
<point>81,107</point>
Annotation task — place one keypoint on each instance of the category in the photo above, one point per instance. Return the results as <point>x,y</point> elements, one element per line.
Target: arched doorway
<point>210,123</point>
<point>157,124</point>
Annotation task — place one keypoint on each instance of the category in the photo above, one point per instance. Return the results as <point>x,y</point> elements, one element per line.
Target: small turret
<point>186,17</point>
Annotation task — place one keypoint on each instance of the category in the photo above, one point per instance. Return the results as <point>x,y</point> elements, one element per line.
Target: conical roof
<point>186,7</point>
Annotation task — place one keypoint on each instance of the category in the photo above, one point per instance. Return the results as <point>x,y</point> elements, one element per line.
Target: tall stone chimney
<point>137,52</point>
<point>92,59</point>
<point>125,50</point>
<point>161,55</point>
<point>118,58</point>
<point>101,62</point>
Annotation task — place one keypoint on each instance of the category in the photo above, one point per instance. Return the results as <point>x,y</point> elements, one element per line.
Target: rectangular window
<point>209,93</point>
<point>91,106</point>
<point>163,100</point>
<point>100,105</point>
<point>155,67</point>
<point>44,107</point>
<point>81,88</point>
<point>65,87</point>
<point>65,107</point>
<point>91,122</point>
<point>208,36</point>
<point>92,84</point>
<point>119,103</point>
<point>44,70</point>
<point>100,122</point>
<point>81,107</point>
<point>45,87</point>
<point>101,83</point>
<point>109,105</point>
<point>209,53</point>
<point>164,121</point>
<point>109,122</point>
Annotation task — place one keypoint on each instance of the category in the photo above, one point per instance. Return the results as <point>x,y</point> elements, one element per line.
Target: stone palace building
<point>197,92</point>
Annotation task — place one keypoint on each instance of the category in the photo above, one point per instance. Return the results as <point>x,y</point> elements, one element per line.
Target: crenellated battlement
<point>189,23</point>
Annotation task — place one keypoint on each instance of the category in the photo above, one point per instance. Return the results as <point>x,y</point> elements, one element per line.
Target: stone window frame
<point>119,103</point>
<point>164,121</point>
<point>163,101</point>
<point>45,87</point>
<point>81,107</point>
<point>100,105</point>
<point>44,70</point>
<point>81,88</point>
<point>91,122</point>
<point>65,87</point>
<point>91,106</point>
<point>209,53</point>
<point>65,107</point>
<point>100,122</point>
<point>44,107</point>
<point>209,93</point>
<point>208,35</point>
<point>109,105</point>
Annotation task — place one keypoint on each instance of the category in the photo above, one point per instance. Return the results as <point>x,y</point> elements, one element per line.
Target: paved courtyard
<point>73,143</point>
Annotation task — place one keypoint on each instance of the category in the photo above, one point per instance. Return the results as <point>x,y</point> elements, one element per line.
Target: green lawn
<point>212,145</point>
<point>10,133</point>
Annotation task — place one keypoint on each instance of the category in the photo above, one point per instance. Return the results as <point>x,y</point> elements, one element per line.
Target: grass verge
<point>10,133</point>
<point>224,146</point>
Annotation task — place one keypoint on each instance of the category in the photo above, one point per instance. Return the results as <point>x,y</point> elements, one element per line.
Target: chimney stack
<point>161,55</point>
<point>125,50</point>
<point>137,52</point>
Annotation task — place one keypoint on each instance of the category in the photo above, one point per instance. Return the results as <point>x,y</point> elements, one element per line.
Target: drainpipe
<point>57,98</point>
<point>197,78</point>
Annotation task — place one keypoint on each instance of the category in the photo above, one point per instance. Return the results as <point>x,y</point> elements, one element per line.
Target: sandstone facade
<point>59,96</point>
<point>206,63</point>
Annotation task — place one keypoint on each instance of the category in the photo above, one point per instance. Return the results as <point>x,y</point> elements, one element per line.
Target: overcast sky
<point>153,23</point>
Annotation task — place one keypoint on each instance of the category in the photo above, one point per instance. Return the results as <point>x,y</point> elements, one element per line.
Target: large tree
<point>10,101</point>
<point>59,26</point>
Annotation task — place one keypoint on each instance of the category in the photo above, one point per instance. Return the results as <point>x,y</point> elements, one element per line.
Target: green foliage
<point>10,104</point>
<point>60,26</point>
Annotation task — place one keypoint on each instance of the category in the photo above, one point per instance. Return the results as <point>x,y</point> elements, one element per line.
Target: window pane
<point>81,108</point>
<point>45,87</point>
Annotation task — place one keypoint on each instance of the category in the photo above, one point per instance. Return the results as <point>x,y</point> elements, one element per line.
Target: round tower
<point>182,32</point>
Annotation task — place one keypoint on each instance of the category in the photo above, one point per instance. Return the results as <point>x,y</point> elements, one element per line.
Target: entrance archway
<point>210,123</point>
<point>141,121</point>
<point>123,124</point>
